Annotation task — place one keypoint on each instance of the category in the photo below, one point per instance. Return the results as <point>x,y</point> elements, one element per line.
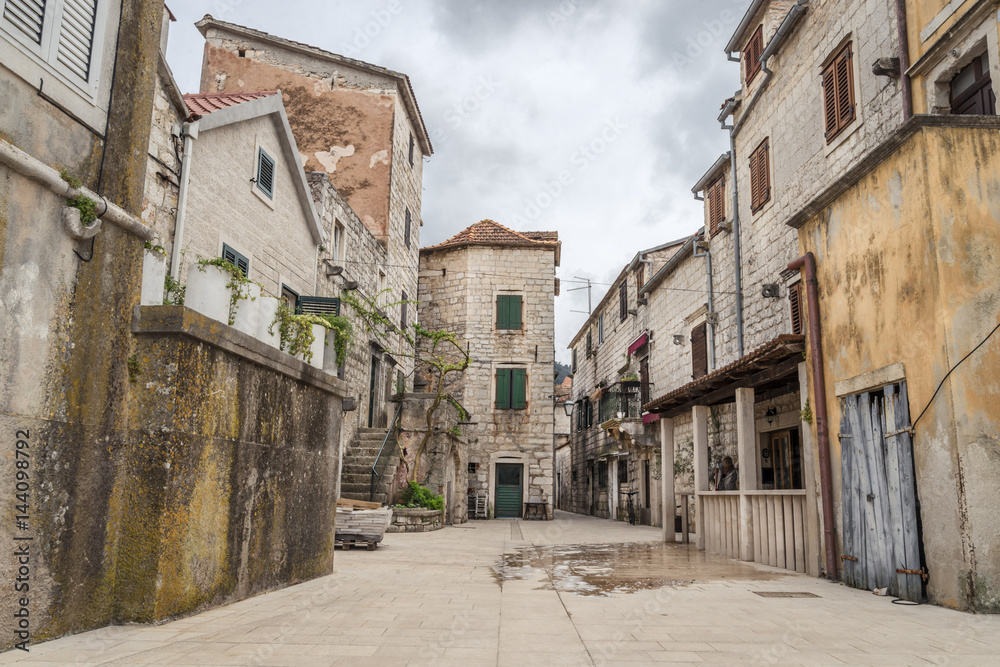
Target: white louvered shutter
<point>28,16</point>
<point>76,36</point>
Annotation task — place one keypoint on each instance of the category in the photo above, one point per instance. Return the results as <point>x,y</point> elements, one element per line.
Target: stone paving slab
<point>438,599</point>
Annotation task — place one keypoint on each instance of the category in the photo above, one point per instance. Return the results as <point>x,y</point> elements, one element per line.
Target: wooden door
<point>881,536</point>
<point>508,500</point>
<point>373,393</point>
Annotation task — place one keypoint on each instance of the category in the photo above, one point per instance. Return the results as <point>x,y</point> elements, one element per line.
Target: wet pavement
<point>575,591</point>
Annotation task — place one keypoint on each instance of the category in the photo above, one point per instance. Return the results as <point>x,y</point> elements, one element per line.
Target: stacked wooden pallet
<point>359,523</point>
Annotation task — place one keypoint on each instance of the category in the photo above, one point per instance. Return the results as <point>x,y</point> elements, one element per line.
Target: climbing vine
<point>239,284</point>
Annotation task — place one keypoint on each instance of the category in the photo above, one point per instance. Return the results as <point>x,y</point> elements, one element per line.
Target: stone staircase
<point>355,477</point>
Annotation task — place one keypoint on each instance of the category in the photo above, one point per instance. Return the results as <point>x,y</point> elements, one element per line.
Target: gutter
<point>904,60</point>
<point>189,132</point>
<point>797,10</point>
<point>30,167</point>
<point>671,263</point>
<point>807,262</point>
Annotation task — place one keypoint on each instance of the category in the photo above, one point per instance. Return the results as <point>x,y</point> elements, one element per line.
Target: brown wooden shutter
<point>752,53</point>
<point>644,380</point>
<point>754,183</point>
<point>838,93</point>
<point>760,179</point>
<point>795,304</point>
<point>716,204</point>
<point>699,352</point>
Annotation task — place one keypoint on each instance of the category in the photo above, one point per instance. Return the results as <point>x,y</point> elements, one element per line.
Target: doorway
<point>508,490</point>
<point>881,529</point>
<point>781,460</point>
<point>374,395</point>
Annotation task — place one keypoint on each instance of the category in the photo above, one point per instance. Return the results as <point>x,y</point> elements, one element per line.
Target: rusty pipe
<point>808,262</point>
<point>904,60</point>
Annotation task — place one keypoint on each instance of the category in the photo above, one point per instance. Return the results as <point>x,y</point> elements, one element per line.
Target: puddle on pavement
<point>608,569</point>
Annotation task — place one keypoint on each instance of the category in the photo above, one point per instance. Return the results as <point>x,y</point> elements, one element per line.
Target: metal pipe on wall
<point>807,263</point>
<point>904,60</point>
<point>702,249</point>
<point>189,132</point>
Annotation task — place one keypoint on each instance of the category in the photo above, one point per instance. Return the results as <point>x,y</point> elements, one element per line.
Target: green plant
<point>239,284</point>
<point>72,180</point>
<point>173,291</point>
<point>134,370</point>
<point>455,431</point>
<point>296,331</point>
<point>148,245</point>
<point>806,414</point>
<point>421,496</point>
<point>631,377</point>
<point>87,208</point>
<point>343,334</point>
<point>322,248</point>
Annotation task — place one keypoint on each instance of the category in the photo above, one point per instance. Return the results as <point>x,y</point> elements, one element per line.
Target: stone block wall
<point>458,292</point>
<point>163,168</point>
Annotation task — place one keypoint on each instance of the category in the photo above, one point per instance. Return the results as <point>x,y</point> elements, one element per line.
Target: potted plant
<point>215,289</point>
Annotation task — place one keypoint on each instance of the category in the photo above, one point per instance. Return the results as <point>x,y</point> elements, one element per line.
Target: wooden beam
<point>725,394</point>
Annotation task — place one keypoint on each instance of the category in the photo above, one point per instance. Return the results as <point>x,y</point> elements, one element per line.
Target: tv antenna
<point>587,287</point>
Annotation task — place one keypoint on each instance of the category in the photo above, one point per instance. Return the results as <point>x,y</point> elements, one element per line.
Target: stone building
<point>495,289</point>
<point>889,207</point>
<point>614,448</point>
<point>358,125</point>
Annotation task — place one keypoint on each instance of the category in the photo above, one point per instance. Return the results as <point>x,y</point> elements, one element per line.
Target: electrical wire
<point>941,384</point>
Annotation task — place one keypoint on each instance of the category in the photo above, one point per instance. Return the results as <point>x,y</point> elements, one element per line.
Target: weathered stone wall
<point>907,275</point>
<point>223,207</point>
<point>349,122</point>
<point>363,257</point>
<point>163,167</point>
<point>458,292</point>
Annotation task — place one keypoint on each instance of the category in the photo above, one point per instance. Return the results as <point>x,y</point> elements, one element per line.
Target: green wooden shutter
<point>508,312</point>
<point>515,311</point>
<point>503,388</point>
<point>517,382</point>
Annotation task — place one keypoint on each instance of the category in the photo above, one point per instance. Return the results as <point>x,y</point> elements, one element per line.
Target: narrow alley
<point>574,591</point>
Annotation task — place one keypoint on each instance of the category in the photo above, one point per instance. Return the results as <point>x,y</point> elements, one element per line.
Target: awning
<point>638,342</point>
<point>650,417</point>
<point>771,367</point>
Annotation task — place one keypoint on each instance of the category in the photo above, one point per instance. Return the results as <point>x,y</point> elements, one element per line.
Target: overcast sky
<point>590,117</point>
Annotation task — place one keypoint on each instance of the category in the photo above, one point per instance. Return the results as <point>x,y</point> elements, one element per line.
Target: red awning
<point>650,417</point>
<point>639,342</point>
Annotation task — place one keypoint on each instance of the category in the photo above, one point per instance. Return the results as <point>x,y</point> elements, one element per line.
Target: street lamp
<point>568,407</point>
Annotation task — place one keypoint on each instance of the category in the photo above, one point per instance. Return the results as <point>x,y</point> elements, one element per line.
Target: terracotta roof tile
<point>488,232</point>
<point>204,104</point>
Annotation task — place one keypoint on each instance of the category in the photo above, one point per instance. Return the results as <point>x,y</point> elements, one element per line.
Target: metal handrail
<point>384,453</point>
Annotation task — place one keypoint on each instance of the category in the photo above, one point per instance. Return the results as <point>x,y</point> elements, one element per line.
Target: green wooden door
<point>508,502</point>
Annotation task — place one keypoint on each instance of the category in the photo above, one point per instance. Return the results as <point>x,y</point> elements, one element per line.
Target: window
<point>590,343</point>
<point>751,54</point>
<point>473,468</point>
<point>760,178</point>
<point>574,475</point>
<point>600,329</point>
<point>640,277</point>
<point>69,44</point>
<point>623,471</point>
<point>644,380</point>
<point>402,313</point>
<point>623,301</point>
<point>290,297</point>
<point>338,242</point>
<point>699,352</point>
<point>602,474</point>
<point>795,303</point>
<point>972,89</point>
<point>509,311</point>
<point>838,93</point>
<point>584,414</point>
<point>511,386</point>
<point>406,229</point>
<point>573,361</point>
<point>265,173</point>
<point>381,283</point>
<point>411,149</point>
<point>236,259</point>
<point>716,204</point>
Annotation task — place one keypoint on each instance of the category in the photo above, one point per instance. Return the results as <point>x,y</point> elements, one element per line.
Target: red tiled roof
<point>487,232</point>
<point>204,104</point>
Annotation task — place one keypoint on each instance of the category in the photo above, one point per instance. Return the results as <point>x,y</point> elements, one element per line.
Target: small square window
<point>238,260</point>
<point>290,297</point>
<point>265,173</point>
<point>473,468</point>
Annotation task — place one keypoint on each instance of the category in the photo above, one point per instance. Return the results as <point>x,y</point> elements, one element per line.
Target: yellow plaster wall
<point>909,271</point>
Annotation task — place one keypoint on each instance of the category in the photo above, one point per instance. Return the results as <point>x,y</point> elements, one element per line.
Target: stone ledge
<point>178,320</point>
<point>415,520</point>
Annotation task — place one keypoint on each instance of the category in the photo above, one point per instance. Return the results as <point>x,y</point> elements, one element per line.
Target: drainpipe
<point>904,60</point>
<point>189,132</point>
<point>737,254</point>
<point>808,262</point>
<point>702,249</point>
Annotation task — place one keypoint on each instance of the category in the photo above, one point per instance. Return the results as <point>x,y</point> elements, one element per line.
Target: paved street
<point>514,592</point>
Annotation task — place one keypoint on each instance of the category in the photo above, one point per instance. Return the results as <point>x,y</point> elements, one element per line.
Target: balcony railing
<point>621,401</point>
